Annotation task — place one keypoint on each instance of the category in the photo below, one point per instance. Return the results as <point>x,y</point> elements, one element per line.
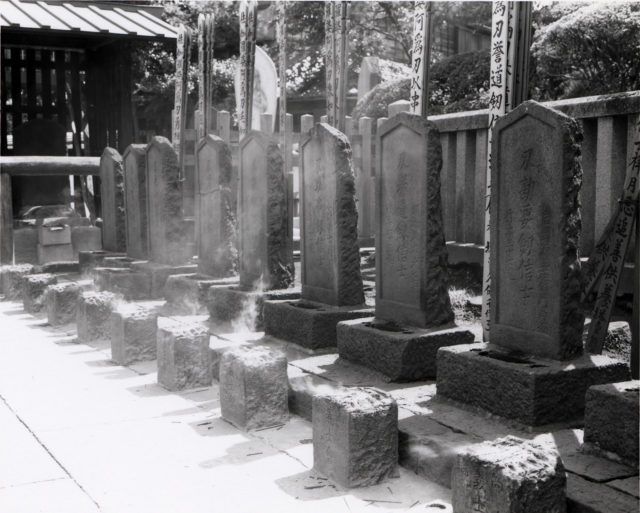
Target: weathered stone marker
<point>166,237</point>
<point>135,178</point>
<point>355,436</point>
<point>112,191</point>
<point>536,320</point>
<point>266,254</point>
<point>254,388</point>
<point>331,280</point>
<point>509,475</point>
<point>265,248</point>
<point>214,208</point>
<point>413,316</point>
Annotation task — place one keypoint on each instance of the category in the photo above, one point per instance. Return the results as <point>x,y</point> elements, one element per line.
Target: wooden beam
<point>6,220</point>
<point>49,166</point>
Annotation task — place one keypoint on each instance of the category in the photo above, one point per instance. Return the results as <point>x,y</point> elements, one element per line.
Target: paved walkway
<point>81,434</point>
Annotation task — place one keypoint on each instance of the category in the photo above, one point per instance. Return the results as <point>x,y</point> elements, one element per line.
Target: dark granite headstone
<point>112,197</point>
<point>266,252</point>
<point>411,255</point>
<point>166,229</point>
<point>329,220</point>
<point>135,177</point>
<point>214,208</point>
<point>535,212</point>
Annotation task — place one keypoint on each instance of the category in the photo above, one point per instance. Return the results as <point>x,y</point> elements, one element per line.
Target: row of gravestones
<point>535,265</point>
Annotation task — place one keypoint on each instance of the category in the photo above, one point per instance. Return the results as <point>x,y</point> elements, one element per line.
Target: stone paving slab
<point>134,447</point>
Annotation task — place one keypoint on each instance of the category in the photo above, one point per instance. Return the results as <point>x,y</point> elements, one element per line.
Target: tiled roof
<point>84,17</point>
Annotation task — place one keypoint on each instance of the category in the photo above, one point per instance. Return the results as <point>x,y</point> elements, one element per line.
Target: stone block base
<point>92,315</point>
<point>89,260</point>
<point>54,253</point>
<point>187,293</point>
<point>309,324</point>
<point>184,359</point>
<point>254,387</point>
<point>85,238</point>
<point>133,334</point>
<point>230,304</point>
<point>62,303</point>
<point>25,245</point>
<point>11,279</point>
<point>509,475</point>
<point>611,420</point>
<point>355,436</point>
<point>68,267</point>
<point>33,291</point>
<point>532,391</point>
<point>158,274</point>
<point>121,280</point>
<point>402,353</point>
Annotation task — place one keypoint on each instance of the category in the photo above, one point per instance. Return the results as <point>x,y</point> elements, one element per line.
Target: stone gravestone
<point>330,254</point>
<point>413,315</point>
<point>266,251</point>
<point>331,281</point>
<point>265,248</point>
<point>166,229</point>
<point>135,177</point>
<point>214,208</point>
<point>532,370</point>
<point>113,203</point>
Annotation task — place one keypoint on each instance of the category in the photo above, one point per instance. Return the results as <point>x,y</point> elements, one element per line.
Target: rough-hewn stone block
<point>85,238</point>
<point>54,235</point>
<point>33,291</point>
<point>133,334</point>
<point>55,253</point>
<point>62,303</point>
<point>158,274</point>
<point>532,391</point>
<point>509,475</point>
<point>254,387</point>
<point>92,315</point>
<point>309,324</point>
<point>402,353</point>
<point>11,279</point>
<point>355,436</point>
<point>132,285</point>
<point>184,359</point>
<point>611,419</point>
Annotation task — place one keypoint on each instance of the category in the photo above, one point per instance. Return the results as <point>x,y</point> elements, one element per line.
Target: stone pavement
<point>81,434</point>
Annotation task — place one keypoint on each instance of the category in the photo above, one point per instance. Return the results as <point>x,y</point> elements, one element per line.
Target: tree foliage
<point>589,49</point>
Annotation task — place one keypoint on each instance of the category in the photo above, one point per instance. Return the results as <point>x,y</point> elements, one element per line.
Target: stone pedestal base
<point>229,304</point>
<point>611,420</point>
<point>89,260</point>
<point>184,359</point>
<point>33,291</point>
<point>120,280</point>
<point>529,390</point>
<point>62,302</point>
<point>309,324</point>
<point>355,436</point>
<point>187,293</point>
<point>11,279</point>
<point>133,334</point>
<point>92,315</point>
<point>405,354</point>
<point>254,388</point>
<point>158,274</point>
<point>509,475</point>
